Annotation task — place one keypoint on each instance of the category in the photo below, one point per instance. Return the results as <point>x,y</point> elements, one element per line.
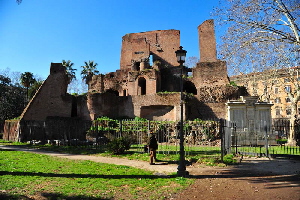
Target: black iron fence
<point>220,134</point>
<point>263,139</point>
<point>196,133</point>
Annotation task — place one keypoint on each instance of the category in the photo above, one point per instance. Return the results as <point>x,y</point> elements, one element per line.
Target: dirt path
<point>254,178</point>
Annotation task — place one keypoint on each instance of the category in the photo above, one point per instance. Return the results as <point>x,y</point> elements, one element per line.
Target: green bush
<point>281,141</point>
<point>229,159</point>
<point>140,119</point>
<point>232,83</point>
<point>119,145</point>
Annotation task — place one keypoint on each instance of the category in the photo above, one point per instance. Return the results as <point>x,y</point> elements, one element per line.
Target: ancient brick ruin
<point>146,85</point>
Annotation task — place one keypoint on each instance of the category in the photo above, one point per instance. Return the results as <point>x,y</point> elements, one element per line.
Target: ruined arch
<point>141,86</point>
<point>190,87</point>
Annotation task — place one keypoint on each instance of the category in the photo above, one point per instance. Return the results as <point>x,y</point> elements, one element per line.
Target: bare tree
<point>191,61</point>
<point>263,35</point>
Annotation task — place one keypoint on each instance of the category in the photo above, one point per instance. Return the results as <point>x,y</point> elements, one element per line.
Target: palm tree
<point>69,70</point>
<point>89,69</point>
<point>27,80</point>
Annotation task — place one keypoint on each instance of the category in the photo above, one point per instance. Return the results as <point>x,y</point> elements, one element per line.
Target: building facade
<point>280,87</point>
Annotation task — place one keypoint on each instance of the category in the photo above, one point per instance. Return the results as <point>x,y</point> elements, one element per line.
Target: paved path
<point>262,165</point>
<point>162,168</point>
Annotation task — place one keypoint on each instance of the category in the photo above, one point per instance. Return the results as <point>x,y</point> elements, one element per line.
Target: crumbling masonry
<point>146,85</point>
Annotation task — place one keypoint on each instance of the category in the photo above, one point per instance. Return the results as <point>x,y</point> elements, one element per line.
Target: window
<point>277,100</point>
<point>288,100</point>
<point>276,90</point>
<point>278,111</point>
<point>286,80</point>
<point>287,89</point>
<point>288,111</point>
<point>265,90</point>
<point>254,85</point>
<point>254,91</point>
<point>151,60</point>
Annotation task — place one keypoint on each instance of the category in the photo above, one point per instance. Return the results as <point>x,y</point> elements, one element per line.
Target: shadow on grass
<point>41,174</point>
<point>59,149</point>
<point>270,180</point>
<point>51,196</point>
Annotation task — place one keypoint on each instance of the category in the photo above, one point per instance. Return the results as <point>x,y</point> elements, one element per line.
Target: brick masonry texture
<point>147,84</point>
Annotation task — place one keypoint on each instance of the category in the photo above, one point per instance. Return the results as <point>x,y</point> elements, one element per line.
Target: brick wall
<point>11,130</point>
<point>162,44</point>
<point>210,74</point>
<point>146,106</point>
<point>207,41</point>
<point>51,99</point>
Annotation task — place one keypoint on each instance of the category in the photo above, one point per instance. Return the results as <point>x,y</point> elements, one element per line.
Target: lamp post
<point>181,54</point>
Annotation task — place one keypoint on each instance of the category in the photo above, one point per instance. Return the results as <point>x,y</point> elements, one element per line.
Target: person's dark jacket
<point>152,143</point>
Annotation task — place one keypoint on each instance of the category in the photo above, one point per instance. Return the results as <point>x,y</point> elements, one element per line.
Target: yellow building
<point>274,86</point>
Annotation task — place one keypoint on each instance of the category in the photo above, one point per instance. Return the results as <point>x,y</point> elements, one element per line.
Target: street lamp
<point>180,54</point>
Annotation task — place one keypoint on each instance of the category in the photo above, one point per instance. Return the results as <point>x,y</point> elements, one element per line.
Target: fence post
<point>222,133</point>
<point>233,128</point>
<point>266,139</point>
<point>120,127</point>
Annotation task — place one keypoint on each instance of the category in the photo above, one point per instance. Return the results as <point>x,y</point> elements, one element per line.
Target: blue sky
<point>38,32</point>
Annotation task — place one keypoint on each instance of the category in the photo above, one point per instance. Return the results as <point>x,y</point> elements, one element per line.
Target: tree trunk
<point>291,136</point>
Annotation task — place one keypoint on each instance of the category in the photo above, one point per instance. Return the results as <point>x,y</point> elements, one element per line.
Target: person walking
<point>153,146</point>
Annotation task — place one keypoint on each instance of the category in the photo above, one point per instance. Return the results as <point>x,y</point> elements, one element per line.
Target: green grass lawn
<point>29,174</point>
<point>208,155</point>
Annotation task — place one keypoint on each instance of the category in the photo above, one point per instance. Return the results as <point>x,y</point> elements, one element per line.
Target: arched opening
<point>189,87</point>
<point>74,107</point>
<point>142,86</point>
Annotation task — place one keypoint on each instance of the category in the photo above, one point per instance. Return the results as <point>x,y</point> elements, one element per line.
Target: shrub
<point>232,83</point>
<point>119,145</point>
<point>229,159</point>
<point>140,119</point>
<point>281,141</point>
